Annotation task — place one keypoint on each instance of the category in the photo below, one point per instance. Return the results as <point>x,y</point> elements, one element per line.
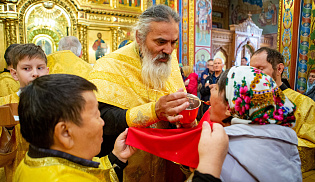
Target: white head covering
<point>254,98</point>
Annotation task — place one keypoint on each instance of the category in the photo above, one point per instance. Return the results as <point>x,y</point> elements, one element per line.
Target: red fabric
<point>193,84</point>
<point>177,145</point>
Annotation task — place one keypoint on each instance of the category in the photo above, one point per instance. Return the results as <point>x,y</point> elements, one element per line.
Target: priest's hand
<point>121,150</point>
<point>212,149</point>
<point>168,106</point>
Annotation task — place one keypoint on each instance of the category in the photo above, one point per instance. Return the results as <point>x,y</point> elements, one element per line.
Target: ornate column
<point>10,31</point>
<point>82,30</point>
<point>288,29</point>
<point>114,31</point>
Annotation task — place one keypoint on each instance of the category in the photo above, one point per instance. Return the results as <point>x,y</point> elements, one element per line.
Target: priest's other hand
<point>121,150</point>
<point>168,106</point>
<point>212,149</point>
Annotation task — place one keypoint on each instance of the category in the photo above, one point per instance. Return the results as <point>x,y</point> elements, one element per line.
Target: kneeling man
<point>60,119</point>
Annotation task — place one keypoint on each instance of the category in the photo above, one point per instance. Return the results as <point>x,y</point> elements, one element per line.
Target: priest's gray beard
<point>155,73</point>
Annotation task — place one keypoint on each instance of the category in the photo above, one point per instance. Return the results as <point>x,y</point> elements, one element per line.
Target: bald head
<point>217,65</point>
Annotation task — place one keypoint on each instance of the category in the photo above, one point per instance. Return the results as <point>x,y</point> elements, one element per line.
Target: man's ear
<point>81,54</point>
<point>14,74</point>
<point>63,139</point>
<point>280,68</point>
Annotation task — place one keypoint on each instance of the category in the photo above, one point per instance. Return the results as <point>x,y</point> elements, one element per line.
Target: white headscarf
<point>254,98</point>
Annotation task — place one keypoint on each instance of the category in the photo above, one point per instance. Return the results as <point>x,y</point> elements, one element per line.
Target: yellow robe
<point>12,98</point>
<point>7,84</point>
<point>304,127</point>
<point>66,62</point>
<point>118,79</point>
<point>51,169</point>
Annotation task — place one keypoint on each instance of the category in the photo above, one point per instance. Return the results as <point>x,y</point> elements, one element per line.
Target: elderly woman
<point>258,116</point>
<point>191,80</point>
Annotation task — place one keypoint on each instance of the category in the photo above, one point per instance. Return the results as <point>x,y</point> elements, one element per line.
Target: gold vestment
<point>7,84</point>
<point>304,127</point>
<point>66,62</point>
<point>48,169</point>
<point>12,98</point>
<point>118,79</point>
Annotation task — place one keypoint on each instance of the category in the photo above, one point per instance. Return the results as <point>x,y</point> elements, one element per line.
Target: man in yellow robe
<point>140,85</point>
<point>62,123</point>
<point>7,84</point>
<point>271,62</point>
<point>68,59</point>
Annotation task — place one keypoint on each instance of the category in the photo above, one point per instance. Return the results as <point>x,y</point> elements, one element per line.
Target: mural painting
<point>264,13</point>
<point>203,25</point>
<point>202,56</point>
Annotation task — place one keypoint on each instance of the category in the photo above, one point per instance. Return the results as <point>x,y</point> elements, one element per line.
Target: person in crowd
<point>68,59</point>
<point>29,62</point>
<point>258,117</point>
<point>210,81</point>
<point>272,63</point>
<point>310,91</point>
<point>208,71</point>
<point>244,61</point>
<point>191,81</point>
<point>140,85</point>
<point>7,84</point>
<point>60,119</point>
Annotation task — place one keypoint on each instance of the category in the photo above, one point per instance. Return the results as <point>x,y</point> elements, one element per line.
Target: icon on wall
<point>99,46</point>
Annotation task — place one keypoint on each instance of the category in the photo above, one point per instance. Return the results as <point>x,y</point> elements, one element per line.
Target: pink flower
<point>243,90</point>
<point>247,99</point>
<point>265,116</point>
<point>237,108</point>
<point>280,111</point>
<point>238,101</point>
<point>246,106</point>
<point>257,71</point>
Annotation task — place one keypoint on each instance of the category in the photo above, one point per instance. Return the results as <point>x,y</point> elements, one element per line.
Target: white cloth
<point>261,153</point>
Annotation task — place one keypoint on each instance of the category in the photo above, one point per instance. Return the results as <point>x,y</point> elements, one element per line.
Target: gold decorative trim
<point>114,31</point>
<point>10,31</point>
<point>279,25</point>
<point>83,39</point>
<point>191,32</point>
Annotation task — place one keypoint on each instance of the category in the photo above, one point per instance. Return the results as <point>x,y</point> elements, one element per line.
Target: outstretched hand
<point>121,150</point>
<point>212,149</point>
<point>168,106</point>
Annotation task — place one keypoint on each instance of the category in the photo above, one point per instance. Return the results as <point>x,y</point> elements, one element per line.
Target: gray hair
<point>70,43</point>
<point>156,13</point>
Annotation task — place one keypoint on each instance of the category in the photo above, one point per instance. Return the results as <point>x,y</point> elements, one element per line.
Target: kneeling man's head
<point>60,112</point>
